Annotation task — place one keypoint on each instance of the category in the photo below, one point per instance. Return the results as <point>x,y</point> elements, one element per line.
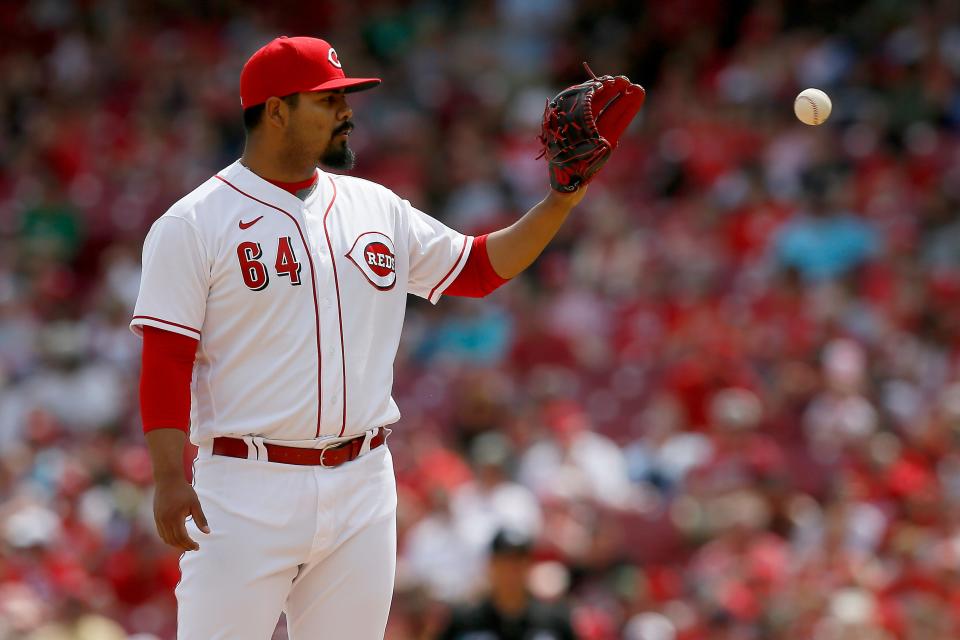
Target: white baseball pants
<point>316,543</point>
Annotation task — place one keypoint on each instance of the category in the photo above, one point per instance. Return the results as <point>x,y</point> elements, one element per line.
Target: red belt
<point>332,456</point>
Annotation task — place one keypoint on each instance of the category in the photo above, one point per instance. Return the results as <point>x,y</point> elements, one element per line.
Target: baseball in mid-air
<point>812,106</point>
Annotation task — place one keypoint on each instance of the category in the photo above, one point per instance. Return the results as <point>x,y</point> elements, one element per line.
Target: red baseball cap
<point>293,65</point>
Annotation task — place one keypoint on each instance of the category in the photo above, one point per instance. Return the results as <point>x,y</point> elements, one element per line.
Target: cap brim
<point>349,85</point>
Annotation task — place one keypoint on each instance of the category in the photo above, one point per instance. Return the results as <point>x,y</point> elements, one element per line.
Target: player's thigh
<point>224,594</point>
<point>348,594</point>
<point>261,527</point>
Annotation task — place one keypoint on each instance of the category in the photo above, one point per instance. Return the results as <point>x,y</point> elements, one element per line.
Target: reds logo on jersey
<point>374,255</point>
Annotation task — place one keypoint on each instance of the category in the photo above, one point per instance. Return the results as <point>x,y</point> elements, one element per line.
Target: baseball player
<point>270,306</point>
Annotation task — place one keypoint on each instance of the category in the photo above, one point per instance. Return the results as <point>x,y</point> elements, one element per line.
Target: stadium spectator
<point>509,611</point>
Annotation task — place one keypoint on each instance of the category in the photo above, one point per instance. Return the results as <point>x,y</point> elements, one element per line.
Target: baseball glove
<point>582,126</point>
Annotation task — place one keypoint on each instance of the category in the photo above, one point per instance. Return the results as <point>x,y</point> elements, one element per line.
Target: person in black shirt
<point>510,612</point>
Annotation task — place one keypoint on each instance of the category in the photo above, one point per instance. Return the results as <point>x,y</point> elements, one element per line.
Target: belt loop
<point>261,447</point>
<point>367,437</point>
<point>254,448</point>
<point>205,449</point>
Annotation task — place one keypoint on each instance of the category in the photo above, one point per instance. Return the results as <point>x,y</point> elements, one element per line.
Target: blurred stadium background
<point>726,401</point>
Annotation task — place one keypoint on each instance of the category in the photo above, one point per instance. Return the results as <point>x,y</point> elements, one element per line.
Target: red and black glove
<point>582,126</point>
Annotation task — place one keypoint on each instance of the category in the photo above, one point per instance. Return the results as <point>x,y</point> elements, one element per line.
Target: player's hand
<point>173,501</point>
<point>582,126</point>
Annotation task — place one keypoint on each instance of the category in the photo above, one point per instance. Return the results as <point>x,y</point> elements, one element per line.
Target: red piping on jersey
<point>452,269</point>
<point>313,278</point>
<point>336,284</point>
<point>172,324</point>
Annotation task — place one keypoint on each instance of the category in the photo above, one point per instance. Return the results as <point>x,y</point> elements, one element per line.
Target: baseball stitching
<point>816,112</point>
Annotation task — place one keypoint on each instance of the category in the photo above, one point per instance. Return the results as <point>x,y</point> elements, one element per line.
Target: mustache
<point>346,126</point>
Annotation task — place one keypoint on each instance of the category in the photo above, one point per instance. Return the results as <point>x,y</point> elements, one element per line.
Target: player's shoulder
<point>211,195</point>
<point>361,186</point>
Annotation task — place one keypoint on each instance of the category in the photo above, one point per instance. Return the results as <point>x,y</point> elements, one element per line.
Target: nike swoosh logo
<point>247,225</point>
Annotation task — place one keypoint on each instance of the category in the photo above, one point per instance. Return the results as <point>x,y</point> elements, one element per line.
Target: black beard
<point>339,157</point>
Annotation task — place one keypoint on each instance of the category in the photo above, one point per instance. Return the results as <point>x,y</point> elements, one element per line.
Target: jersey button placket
<point>337,418</point>
<point>313,249</point>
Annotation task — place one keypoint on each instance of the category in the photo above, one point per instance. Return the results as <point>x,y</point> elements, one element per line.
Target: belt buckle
<point>324,465</point>
<point>323,451</point>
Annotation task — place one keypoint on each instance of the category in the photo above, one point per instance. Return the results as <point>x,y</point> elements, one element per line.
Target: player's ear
<point>276,112</point>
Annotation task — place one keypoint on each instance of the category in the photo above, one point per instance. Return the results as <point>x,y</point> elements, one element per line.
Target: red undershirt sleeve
<point>477,278</point>
<point>166,372</point>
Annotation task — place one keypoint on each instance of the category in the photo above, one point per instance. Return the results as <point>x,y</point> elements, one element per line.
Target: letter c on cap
<point>333,58</point>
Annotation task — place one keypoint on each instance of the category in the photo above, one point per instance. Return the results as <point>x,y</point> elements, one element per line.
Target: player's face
<point>320,129</point>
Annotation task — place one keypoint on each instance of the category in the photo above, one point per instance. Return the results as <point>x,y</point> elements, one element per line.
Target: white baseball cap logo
<point>375,256</point>
<point>333,58</point>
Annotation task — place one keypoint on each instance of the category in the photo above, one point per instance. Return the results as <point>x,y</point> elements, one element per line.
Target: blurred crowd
<point>724,404</point>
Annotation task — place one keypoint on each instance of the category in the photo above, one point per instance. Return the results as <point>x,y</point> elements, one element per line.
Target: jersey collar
<point>242,178</point>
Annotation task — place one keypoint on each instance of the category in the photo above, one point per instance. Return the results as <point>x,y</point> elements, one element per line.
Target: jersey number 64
<point>255,273</point>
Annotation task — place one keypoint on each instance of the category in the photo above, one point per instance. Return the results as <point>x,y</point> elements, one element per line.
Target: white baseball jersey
<point>298,304</point>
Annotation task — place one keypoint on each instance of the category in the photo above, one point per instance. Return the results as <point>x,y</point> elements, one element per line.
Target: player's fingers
<point>165,534</point>
<point>198,518</point>
<point>182,538</point>
<point>162,522</point>
<point>160,531</point>
<point>173,529</point>
<point>165,519</point>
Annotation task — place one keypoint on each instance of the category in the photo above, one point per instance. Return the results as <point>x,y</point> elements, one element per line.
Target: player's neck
<point>272,166</point>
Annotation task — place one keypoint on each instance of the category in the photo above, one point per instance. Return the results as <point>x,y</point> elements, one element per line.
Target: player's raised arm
<point>514,248</point>
<point>581,127</point>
